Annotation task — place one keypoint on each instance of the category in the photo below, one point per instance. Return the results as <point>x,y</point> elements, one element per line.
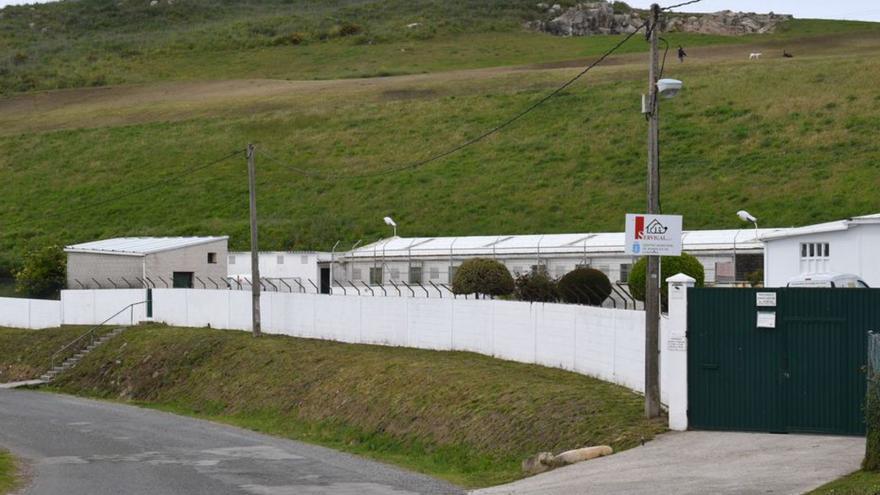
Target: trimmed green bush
<point>482,276</point>
<point>584,286</point>
<point>43,274</point>
<point>536,287</point>
<point>669,266</point>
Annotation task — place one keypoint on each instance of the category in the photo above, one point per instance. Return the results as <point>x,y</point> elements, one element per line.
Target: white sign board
<point>653,235</point>
<point>677,343</point>
<point>766,319</point>
<point>766,299</point>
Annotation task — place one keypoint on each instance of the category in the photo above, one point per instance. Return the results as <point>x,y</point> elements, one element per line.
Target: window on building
<point>280,259</point>
<point>415,274</point>
<point>452,270</point>
<point>231,259</point>
<point>434,273</point>
<point>356,274</point>
<point>212,258</point>
<point>541,268</point>
<point>624,272</point>
<point>583,265</point>
<point>815,250</point>
<point>376,275</point>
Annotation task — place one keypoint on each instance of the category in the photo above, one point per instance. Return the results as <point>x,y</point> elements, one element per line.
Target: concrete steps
<point>76,358</point>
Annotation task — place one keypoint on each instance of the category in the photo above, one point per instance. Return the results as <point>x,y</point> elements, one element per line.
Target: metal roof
<point>139,246</point>
<point>591,243</point>
<point>821,228</point>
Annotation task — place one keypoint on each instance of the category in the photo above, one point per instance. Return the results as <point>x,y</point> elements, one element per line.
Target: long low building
<point>728,256</point>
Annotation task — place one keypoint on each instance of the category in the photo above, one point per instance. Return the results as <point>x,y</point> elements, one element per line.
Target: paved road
<point>83,447</point>
<point>704,463</point>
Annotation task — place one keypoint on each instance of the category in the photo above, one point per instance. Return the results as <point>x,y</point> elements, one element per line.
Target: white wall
<point>852,251</point>
<point>600,342</point>
<point>91,307</point>
<point>29,313</point>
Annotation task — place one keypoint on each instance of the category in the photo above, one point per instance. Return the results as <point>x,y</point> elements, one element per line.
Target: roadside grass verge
<point>857,483</point>
<point>463,417</point>
<point>8,479</point>
<point>26,354</point>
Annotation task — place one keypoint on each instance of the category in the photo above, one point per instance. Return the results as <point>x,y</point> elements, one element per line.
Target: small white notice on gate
<point>766,299</point>
<point>677,343</point>
<point>766,319</point>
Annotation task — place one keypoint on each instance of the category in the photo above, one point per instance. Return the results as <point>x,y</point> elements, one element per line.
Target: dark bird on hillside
<point>681,54</point>
<point>786,54</point>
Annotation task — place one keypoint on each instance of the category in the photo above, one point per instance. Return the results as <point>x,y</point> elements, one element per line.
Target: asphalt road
<point>82,447</point>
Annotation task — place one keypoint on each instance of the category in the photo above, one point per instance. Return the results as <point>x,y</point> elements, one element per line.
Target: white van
<point>838,280</point>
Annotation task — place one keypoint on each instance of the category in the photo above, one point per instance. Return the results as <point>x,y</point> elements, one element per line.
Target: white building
<point>282,268</point>
<point>843,246</point>
<point>727,256</point>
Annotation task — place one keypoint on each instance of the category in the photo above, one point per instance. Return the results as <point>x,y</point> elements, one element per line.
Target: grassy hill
<point>791,140</point>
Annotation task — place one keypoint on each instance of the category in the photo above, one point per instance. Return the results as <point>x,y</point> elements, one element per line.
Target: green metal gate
<point>803,372</point>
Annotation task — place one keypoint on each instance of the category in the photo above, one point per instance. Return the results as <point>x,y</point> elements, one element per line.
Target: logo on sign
<point>640,227</point>
<point>654,230</point>
<point>636,248</point>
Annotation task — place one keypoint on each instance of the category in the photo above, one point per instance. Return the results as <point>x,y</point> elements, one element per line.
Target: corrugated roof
<point>821,228</point>
<point>139,246</point>
<point>603,242</point>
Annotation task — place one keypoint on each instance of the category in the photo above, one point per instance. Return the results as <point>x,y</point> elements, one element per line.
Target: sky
<point>865,10</point>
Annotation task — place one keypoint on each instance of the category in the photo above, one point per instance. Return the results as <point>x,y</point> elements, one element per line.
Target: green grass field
<point>792,140</point>
<point>7,472</point>
<point>463,417</point>
<point>858,483</point>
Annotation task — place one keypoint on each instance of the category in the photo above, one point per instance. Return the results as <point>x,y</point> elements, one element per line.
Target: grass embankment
<point>463,417</point>
<point>26,354</point>
<point>858,483</point>
<point>8,470</point>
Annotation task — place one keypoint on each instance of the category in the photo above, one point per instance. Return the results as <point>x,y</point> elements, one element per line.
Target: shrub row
<point>490,277</point>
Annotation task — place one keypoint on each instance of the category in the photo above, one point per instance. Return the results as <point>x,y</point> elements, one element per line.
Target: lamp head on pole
<point>390,222</point>
<point>746,216</point>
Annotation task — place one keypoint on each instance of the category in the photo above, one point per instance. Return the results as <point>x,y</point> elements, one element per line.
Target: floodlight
<point>668,88</point>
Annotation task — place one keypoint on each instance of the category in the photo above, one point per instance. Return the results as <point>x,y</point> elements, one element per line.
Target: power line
<point>680,5</point>
<point>469,142</point>
<point>139,190</point>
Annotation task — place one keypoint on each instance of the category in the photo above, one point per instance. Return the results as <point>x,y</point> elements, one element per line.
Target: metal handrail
<point>91,332</point>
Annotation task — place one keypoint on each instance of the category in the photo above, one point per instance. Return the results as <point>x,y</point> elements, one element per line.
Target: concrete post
<point>675,351</point>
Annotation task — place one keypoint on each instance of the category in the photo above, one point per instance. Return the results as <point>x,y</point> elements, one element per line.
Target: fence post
<point>673,350</point>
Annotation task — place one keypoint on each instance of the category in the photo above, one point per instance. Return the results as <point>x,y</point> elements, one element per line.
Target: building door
<point>801,370</point>
<point>182,280</point>
<point>325,280</point>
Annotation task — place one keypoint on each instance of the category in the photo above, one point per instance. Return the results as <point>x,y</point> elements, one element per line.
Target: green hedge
<point>536,287</point>
<point>482,276</point>
<point>584,286</point>
<point>872,406</point>
<point>670,265</point>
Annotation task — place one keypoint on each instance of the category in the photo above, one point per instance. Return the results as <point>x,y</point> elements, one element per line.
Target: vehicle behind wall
<point>833,280</point>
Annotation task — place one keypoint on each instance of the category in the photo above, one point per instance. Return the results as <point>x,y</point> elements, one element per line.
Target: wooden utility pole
<point>255,249</point>
<point>652,281</point>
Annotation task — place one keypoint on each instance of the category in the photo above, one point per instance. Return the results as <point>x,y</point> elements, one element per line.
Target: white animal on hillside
<point>755,56</point>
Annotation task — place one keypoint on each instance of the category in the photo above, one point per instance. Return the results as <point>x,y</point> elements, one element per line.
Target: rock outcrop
<point>603,17</point>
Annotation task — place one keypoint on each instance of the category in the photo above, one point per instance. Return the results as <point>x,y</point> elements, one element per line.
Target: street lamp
<point>390,222</point>
<point>747,217</point>
<point>667,88</point>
